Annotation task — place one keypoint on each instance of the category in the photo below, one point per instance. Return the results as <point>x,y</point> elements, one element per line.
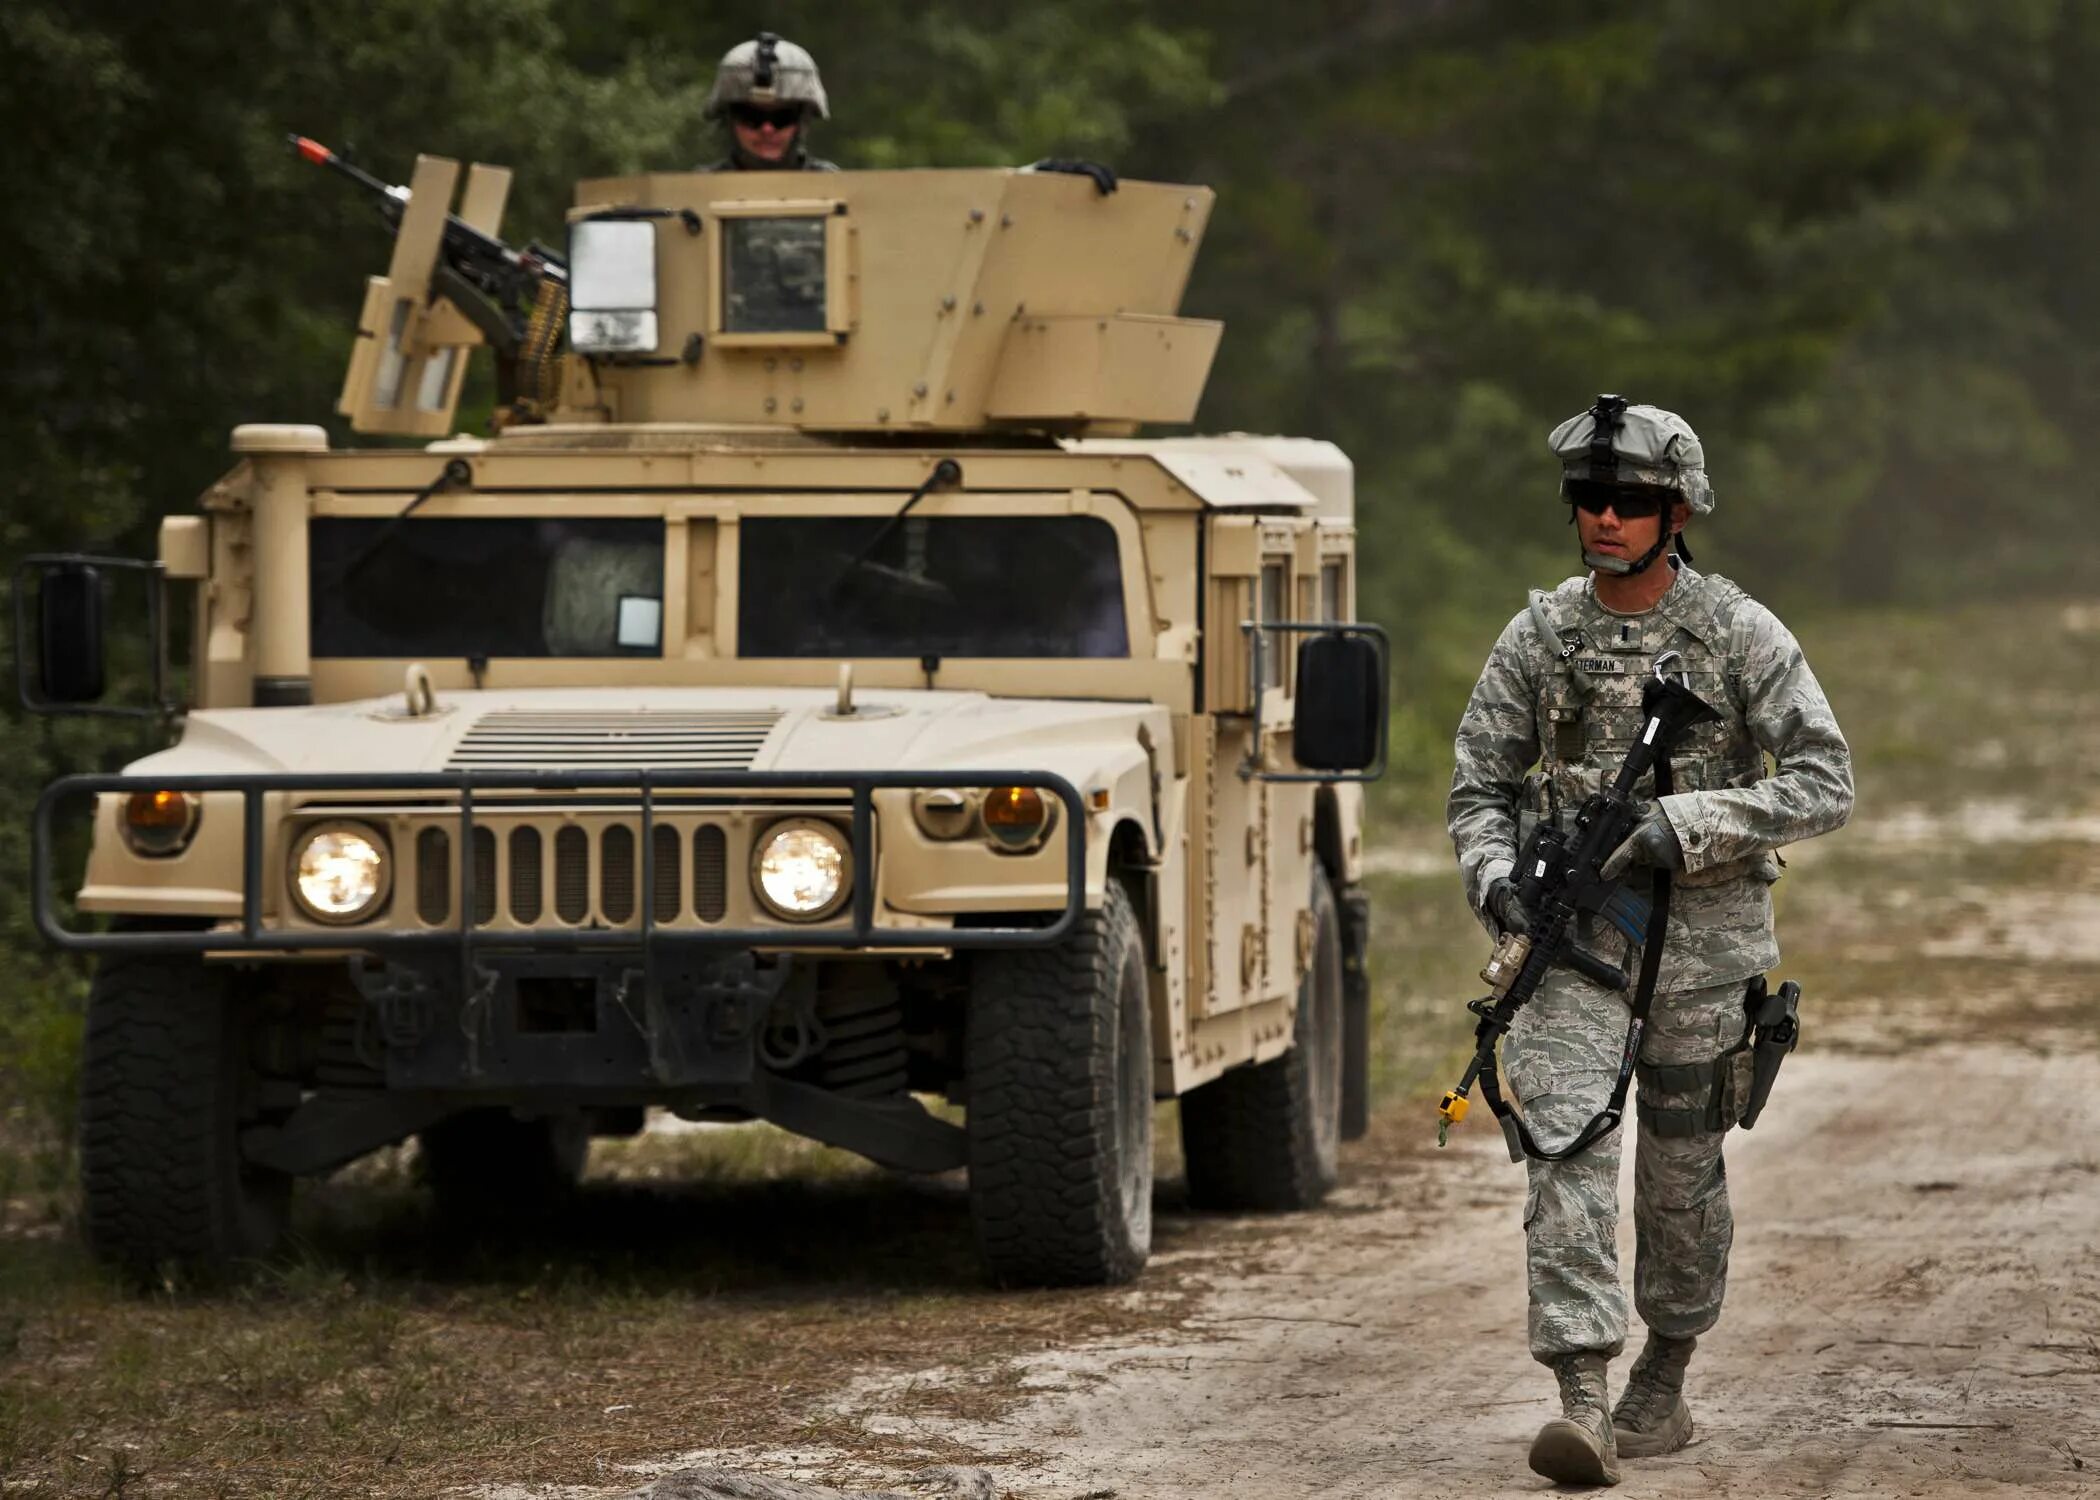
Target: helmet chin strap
<point>1620,567</point>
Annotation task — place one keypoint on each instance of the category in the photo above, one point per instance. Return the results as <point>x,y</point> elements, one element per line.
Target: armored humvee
<point>812,697</point>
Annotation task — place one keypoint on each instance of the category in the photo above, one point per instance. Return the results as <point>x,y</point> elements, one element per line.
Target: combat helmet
<point>767,70</point>
<point>1635,448</point>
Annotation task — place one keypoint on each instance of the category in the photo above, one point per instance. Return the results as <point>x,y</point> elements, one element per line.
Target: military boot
<point>1577,1447</point>
<point>1651,1416</point>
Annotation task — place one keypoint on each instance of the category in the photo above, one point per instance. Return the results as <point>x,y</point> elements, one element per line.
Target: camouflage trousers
<point>1561,1058</point>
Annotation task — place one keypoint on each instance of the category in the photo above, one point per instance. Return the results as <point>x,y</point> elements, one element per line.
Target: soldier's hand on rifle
<point>1653,842</point>
<point>1503,907</point>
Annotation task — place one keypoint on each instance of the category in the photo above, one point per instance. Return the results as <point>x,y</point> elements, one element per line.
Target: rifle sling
<point>1521,1143</point>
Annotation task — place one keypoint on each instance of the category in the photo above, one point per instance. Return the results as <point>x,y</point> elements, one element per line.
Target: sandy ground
<point>1913,1310</point>
<point>1913,1307</point>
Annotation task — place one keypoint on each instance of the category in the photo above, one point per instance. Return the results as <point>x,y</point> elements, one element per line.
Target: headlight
<point>1016,817</point>
<point>339,872</point>
<point>801,870</point>
<point>158,824</point>
<point>612,286</point>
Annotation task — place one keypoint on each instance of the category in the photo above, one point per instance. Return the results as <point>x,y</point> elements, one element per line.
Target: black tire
<point>1267,1137</point>
<point>486,1166</point>
<point>1355,909</point>
<point>1059,1059</point>
<point>163,1083</point>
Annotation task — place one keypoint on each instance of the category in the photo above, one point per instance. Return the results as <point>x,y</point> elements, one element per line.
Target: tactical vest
<point>1589,696</point>
<point>1588,704</point>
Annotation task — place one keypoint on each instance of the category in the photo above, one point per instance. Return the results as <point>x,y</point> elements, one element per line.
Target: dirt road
<point>1915,1294</point>
<point>1914,1305</point>
<point>1913,1310</point>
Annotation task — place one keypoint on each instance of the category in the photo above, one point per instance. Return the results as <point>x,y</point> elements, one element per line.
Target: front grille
<point>664,897</point>
<point>433,875</point>
<point>484,877</point>
<point>525,867</point>
<point>594,873</point>
<point>710,873</point>
<point>616,874</point>
<point>715,740</point>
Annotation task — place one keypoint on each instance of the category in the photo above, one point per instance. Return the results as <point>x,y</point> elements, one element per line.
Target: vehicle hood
<point>733,729</point>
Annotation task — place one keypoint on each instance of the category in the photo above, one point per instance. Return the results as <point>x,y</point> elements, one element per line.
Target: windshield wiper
<point>946,472</point>
<point>457,474</point>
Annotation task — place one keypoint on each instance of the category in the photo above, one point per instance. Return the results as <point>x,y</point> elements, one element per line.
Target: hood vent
<point>719,741</point>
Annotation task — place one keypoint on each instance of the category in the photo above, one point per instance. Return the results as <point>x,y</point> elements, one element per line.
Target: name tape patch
<point>1603,665</point>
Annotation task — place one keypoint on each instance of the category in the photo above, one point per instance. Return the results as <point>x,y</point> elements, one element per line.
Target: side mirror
<point>1339,725</point>
<point>67,672</point>
<point>69,640</point>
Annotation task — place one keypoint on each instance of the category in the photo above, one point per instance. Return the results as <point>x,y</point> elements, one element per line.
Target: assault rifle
<point>517,299</point>
<point>1559,878</point>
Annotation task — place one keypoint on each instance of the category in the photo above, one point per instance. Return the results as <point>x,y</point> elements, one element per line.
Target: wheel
<point>1268,1136</point>
<point>1059,1071</point>
<point>488,1166</point>
<point>163,1099</point>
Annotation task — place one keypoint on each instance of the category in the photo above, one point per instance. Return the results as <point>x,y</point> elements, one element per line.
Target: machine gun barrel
<point>481,258</point>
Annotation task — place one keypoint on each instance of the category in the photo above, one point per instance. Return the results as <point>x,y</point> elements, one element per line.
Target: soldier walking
<point>1550,720</point>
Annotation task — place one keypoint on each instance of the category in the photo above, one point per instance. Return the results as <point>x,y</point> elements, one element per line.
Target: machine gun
<point>518,300</point>
<point>1559,879</point>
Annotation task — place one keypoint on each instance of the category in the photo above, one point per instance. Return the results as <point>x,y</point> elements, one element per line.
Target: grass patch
<point>1426,953</point>
<point>697,1295</point>
<point>1973,701</point>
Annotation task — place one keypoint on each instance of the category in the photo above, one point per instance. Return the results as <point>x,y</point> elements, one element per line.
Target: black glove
<point>1503,907</point>
<point>1104,177</point>
<point>1652,842</point>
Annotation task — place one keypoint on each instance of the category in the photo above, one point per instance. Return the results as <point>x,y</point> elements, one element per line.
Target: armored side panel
<point>410,359</point>
<point>928,301</point>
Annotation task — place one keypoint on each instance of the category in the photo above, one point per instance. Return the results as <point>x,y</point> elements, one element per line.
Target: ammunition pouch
<point>1714,1079</point>
<point>1735,1090</point>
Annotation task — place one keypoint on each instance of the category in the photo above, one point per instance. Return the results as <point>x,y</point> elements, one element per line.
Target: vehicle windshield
<point>487,586</point>
<point>948,586</point>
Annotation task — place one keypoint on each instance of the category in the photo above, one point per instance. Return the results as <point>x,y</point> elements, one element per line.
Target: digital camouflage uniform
<point>1537,738</point>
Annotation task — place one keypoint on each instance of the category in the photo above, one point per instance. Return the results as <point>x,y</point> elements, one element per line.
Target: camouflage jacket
<point>1541,734</point>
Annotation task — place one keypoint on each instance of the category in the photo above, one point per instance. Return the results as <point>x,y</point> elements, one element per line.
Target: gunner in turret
<point>765,94</point>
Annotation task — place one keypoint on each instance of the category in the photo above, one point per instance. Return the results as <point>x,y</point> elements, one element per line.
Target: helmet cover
<point>767,71</point>
<point>1650,446</point>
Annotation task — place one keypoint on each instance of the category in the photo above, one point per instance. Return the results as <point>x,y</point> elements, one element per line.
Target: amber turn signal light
<point>1016,816</point>
<point>159,823</point>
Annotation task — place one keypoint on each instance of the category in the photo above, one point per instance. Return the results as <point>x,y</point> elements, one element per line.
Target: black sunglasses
<point>1631,502</point>
<point>755,115</point>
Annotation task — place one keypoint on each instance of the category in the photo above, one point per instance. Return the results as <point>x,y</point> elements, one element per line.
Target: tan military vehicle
<point>813,699</point>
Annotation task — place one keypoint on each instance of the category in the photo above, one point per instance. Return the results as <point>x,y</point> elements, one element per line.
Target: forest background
<point>1849,239</point>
